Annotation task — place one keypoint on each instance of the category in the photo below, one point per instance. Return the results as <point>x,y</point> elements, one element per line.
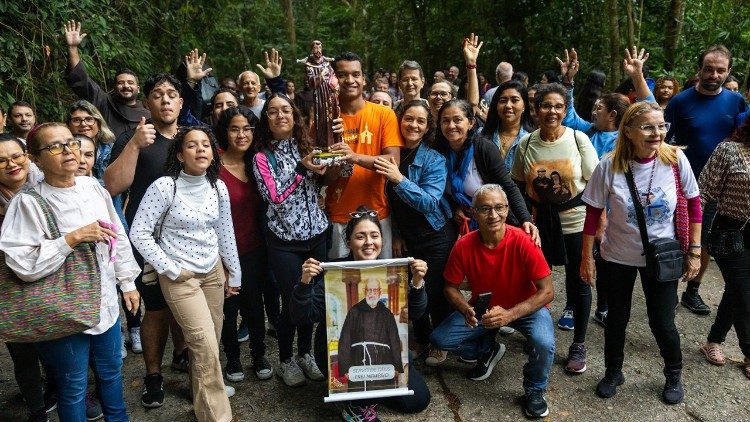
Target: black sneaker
<point>607,387</point>
<point>673,392</point>
<point>263,370</point>
<point>534,404</point>
<point>153,391</point>
<point>233,371</point>
<point>180,361</point>
<point>50,396</point>
<point>484,366</point>
<point>40,416</point>
<point>695,303</point>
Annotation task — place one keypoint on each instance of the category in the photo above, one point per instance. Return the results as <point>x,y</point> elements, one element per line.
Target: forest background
<point>153,36</point>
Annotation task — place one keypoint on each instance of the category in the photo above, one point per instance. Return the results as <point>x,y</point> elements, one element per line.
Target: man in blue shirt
<point>701,118</point>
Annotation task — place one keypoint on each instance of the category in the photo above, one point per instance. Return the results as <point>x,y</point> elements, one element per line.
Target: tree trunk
<point>631,23</point>
<point>675,16</point>
<point>614,45</point>
<point>287,6</point>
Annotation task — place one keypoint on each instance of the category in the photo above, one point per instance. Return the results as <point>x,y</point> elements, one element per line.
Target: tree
<point>675,16</point>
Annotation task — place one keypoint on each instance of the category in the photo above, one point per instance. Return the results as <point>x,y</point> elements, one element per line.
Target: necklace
<point>650,181</point>
<point>412,152</point>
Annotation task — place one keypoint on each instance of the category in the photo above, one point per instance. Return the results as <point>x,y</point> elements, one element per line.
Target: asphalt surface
<point>711,393</point>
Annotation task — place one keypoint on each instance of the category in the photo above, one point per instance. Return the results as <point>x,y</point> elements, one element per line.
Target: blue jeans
<point>69,359</point>
<point>471,343</point>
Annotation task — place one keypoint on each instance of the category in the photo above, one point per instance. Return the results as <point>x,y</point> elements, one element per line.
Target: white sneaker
<point>310,368</point>
<point>506,331</point>
<point>291,373</point>
<point>135,340</point>
<point>229,390</point>
<point>123,349</point>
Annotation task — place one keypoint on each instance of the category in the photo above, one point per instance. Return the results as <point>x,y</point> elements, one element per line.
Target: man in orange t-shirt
<point>370,131</point>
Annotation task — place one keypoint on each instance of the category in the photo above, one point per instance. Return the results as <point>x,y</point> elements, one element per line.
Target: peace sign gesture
<point>471,47</point>
<point>273,64</point>
<point>633,62</point>
<point>568,67</point>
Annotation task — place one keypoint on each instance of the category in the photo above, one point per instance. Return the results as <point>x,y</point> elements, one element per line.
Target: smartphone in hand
<point>482,304</point>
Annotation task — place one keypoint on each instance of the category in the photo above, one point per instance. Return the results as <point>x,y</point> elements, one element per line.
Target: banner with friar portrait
<point>367,323</point>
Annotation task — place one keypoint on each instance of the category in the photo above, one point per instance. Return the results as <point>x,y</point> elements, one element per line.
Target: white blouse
<point>32,254</point>
<point>196,232</point>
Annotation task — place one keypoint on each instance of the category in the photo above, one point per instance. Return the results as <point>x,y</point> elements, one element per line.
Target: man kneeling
<point>504,261</point>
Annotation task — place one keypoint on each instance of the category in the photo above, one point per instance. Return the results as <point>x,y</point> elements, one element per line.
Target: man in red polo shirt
<point>504,261</point>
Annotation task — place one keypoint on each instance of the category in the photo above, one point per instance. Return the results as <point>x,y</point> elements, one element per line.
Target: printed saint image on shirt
<point>551,182</point>
<point>656,209</point>
<point>367,328</point>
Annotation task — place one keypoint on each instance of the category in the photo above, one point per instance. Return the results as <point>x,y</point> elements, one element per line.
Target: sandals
<point>746,367</point>
<point>714,355</point>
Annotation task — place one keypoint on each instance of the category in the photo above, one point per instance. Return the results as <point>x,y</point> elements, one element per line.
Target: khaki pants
<point>197,305</point>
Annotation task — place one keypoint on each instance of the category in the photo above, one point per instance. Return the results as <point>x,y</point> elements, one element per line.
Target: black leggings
<point>577,291</point>
<point>286,259</point>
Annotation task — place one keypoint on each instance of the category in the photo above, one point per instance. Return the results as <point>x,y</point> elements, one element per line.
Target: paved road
<point>712,393</point>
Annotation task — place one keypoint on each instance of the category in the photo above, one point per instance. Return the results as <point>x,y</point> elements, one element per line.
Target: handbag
<point>60,304</point>
<point>725,242</point>
<point>664,257</point>
<point>149,275</point>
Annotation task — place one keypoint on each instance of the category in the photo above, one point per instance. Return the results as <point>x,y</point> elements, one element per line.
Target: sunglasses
<point>58,147</point>
<point>360,214</point>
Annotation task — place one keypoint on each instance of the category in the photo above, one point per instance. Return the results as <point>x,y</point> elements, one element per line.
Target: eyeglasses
<point>654,129</point>
<point>360,214</point>
<point>441,94</point>
<point>234,130</point>
<point>486,210</point>
<point>16,158</point>
<point>276,112</point>
<point>549,106</point>
<point>58,147</point>
<point>77,121</point>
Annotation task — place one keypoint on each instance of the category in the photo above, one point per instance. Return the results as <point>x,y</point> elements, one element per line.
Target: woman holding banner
<point>363,236</point>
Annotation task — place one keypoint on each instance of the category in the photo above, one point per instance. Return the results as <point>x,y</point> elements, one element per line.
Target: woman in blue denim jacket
<point>508,119</point>
<point>421,214</point>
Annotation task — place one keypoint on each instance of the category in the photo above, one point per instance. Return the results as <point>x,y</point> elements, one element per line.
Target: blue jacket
<point>424,186</point>
<point>513,147</point>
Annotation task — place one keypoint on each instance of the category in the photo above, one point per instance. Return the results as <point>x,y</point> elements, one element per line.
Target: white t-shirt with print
<point>622,239</point>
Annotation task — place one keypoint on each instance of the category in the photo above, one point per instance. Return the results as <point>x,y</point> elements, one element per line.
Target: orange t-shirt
<point>368,132</point>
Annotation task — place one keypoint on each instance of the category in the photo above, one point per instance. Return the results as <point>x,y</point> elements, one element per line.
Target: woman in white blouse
<point>79,204</point>
<point>190,210</point>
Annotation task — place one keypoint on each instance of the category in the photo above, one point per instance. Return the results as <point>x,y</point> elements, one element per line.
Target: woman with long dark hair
<point>195,254</point>
<point>286,177</point>
<point>508,118</point>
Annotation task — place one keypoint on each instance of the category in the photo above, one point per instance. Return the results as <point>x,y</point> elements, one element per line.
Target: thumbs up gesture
<point>144,135</point>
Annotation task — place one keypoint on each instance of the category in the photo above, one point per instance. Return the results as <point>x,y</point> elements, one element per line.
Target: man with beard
<point>701,117</point>
<point>137,160</point>
<point>369,336</point>
<point>22,119</point>
<point>119,107</point>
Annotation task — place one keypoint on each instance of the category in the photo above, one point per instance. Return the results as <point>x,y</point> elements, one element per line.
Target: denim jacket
<point>424,185</point>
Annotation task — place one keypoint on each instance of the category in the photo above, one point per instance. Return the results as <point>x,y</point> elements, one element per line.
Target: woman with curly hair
<point>183,227</point>
<point>666,88</point>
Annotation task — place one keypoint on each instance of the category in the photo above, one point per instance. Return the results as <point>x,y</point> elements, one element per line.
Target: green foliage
<point>152,36</point>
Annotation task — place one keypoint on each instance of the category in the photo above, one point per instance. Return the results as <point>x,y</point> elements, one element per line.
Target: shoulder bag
<point>63,303</point>
<point>149,275</point>
<point>726,242</point>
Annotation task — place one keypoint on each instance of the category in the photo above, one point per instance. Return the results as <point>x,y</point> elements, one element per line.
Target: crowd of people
<point>204,210</point>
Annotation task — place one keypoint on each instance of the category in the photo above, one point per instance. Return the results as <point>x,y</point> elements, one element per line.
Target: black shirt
<point>410,222</point>
<point>150,167</point>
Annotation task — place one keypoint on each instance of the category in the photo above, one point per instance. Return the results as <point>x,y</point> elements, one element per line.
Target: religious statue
<point>321,78</point>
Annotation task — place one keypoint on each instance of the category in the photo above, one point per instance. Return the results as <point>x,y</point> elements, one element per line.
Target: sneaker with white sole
<point>291,373</point>
<point>135,340</point>
<point>435,357</point>
<point>263,369</point>
<point>566,322</point>
<point>233,371</point>
<point>486,364</point>
<point>309,367</point>
<point>229,390</point>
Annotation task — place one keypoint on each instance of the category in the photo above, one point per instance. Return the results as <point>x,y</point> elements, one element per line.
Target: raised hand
<point>568,67</point>
<point>273,64</point>
<point>633,62</point>
<point>194,66</point>
<point>73,35</point>
<point>471,47</point>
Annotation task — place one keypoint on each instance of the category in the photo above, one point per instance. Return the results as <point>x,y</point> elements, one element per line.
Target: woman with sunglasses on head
<point>658,172</point>
<point>556,203</point>
<point>287,181</point>
<point>195,254</point>
<point>421,213</point>
<point>364,239</point>
<point>234,132</point>
<point>32,254</point>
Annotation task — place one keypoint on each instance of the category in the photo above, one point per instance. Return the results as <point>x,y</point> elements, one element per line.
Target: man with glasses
<point>701,117</point>
<point>137,160</point>
<point>119,107</point>
<point>370,131</point>
<point>501,260</point>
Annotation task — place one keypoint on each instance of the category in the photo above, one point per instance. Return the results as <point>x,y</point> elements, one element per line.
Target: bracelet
<point>411,283</point>
<point>471,66</point>
<point>694,255</point>
<point>696,246</point>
